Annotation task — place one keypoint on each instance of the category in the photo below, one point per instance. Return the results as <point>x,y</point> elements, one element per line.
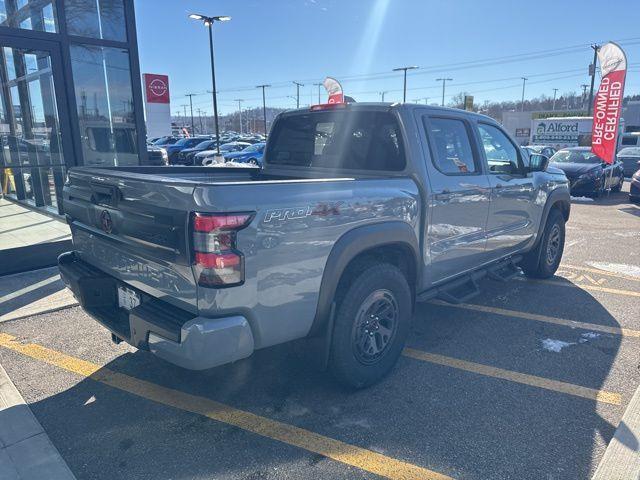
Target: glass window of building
<point>37,15</point>
<point>103,19</point>
<point>104,99</point>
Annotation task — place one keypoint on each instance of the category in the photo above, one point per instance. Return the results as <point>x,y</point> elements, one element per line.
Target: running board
<point>462,289</point>
<point>505,271</point>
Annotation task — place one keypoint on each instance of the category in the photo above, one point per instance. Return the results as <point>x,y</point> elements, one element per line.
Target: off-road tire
<point>543,261</point>
<point>381,286</point>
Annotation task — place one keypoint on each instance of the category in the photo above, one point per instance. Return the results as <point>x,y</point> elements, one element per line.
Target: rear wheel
<point>543,261</point>
<point>371,326</point>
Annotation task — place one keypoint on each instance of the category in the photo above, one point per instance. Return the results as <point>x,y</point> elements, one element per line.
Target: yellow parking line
<point>532,380</point>
<point>557,283</point>
<point>361,458</point>
<point>625,332</point>
<point>603,272</point>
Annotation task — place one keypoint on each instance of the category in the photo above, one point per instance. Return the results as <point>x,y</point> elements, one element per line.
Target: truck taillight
<point>217,261</point>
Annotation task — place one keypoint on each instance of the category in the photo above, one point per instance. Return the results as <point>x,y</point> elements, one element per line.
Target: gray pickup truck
<point>360,211</point>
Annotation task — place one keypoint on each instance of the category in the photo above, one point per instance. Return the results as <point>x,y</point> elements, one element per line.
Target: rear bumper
<point>173,334</point>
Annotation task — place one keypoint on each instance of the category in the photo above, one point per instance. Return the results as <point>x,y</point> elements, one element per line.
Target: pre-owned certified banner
<point>608,102</point>
<point>334,89</point>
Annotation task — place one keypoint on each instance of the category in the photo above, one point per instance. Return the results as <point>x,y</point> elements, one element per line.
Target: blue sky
<point>360,41</point>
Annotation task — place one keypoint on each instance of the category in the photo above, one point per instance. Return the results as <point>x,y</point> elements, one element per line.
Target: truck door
<point>458,202</point>
<point>513,208</point>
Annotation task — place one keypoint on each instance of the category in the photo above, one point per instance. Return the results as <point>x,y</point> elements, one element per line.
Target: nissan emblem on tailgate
<point>105,221</point>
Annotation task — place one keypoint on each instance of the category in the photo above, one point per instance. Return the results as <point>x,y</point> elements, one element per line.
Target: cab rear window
<point>338,140</point>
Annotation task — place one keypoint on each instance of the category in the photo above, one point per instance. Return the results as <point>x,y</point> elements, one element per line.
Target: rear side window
<point>450,145</point>
<point>338,139</point>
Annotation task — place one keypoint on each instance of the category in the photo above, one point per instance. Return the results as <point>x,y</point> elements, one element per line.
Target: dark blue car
<point>251,154</point>
<point>173,150</point>
<point>588,174</point>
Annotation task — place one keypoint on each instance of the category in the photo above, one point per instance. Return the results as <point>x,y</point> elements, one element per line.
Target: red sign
<point>608,102</point>
<point>156,88</point>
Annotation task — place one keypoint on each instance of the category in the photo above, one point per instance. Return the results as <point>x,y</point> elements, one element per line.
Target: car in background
<point>205,157</point>
<point>187,156</point>
<point>166,140</point>
<point>173,150</point>
<point>588,174</point>
<point>540,150</point>
<point>634,189</point>
<point>251,154</point>
<point>629,156</point>
<point>629,139</point>
<point>156,156</point>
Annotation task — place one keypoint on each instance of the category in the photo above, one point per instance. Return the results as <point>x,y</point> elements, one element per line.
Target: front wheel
<point>618,187</point>
<point>371,326</point>
<point>543,261</point>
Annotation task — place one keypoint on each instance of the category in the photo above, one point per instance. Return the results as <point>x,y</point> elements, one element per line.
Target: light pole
<point>191,95</point>
<point>444,83</point>
<point>318,85</point>
<point>404,89</point>
<point>298,85</point>
<point>524,80</point>
<point>426,100</point>
<point>584,93</point>
<point>208,22</point>
<point>592,72</point>
<point>382,94</point>
<point>240,100</point>
<point>200,119</point>
<point>264,106</point>
<point>555,92</point>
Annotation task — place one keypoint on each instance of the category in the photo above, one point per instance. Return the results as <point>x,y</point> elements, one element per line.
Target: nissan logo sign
<point>157,87</point>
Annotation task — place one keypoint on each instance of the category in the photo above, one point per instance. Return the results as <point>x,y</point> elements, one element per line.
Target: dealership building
<point>70,95</point>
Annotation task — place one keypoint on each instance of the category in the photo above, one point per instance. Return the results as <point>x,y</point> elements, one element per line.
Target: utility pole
<point>592,72</point>
<point>555,92</point>
<point>298,85</point>
<point>584,93</point>
<point>240,100</point>
<point>184,106</point>
<point>426,100</point>
<point>318,85</point>
<point>444,83</point>
<point>524,80</point>
<point>191,95</point>
<point>200,119</point>
<point>404,88</point>
<point>382,94</point>
<point>264,106</point>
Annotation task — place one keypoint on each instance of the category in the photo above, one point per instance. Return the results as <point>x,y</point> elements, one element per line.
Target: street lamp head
<point>196,16</point>
<point>222,18</point>
<point>209,20</point>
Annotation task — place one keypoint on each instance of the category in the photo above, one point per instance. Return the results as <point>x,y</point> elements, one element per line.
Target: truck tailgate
<point>135,230</point>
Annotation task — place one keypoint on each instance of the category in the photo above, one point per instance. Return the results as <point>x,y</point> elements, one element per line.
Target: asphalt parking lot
<point>529,381</point>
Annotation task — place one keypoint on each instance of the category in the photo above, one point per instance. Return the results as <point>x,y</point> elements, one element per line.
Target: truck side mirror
<point>538,162</point>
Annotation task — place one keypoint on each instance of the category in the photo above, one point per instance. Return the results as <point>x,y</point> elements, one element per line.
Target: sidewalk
<point>31,293</point>
<point>26,453</point>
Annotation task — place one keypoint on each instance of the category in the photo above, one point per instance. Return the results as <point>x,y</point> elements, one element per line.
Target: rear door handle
<point>498,185</point>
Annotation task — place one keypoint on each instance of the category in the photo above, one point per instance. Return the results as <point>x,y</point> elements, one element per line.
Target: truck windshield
<point>338,139</point>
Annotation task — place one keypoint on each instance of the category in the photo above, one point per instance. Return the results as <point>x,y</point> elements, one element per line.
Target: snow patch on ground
<point>581,199</point>
<point>553,345</point>
<point>585,337</point>
<point>622,268</point>
<point>350,423</point>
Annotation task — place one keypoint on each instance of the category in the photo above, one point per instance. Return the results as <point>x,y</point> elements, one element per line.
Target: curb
<point>26,453</point>
<point>621,459</point>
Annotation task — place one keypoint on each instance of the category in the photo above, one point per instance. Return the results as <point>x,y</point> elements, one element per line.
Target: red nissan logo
<point>157,87</point>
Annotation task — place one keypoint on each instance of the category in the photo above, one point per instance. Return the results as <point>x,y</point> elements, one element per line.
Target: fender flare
<point>349,246</point>
<point>558,197</point>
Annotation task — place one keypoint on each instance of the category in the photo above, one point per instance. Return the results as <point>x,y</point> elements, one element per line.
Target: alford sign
<point>561,132</point>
